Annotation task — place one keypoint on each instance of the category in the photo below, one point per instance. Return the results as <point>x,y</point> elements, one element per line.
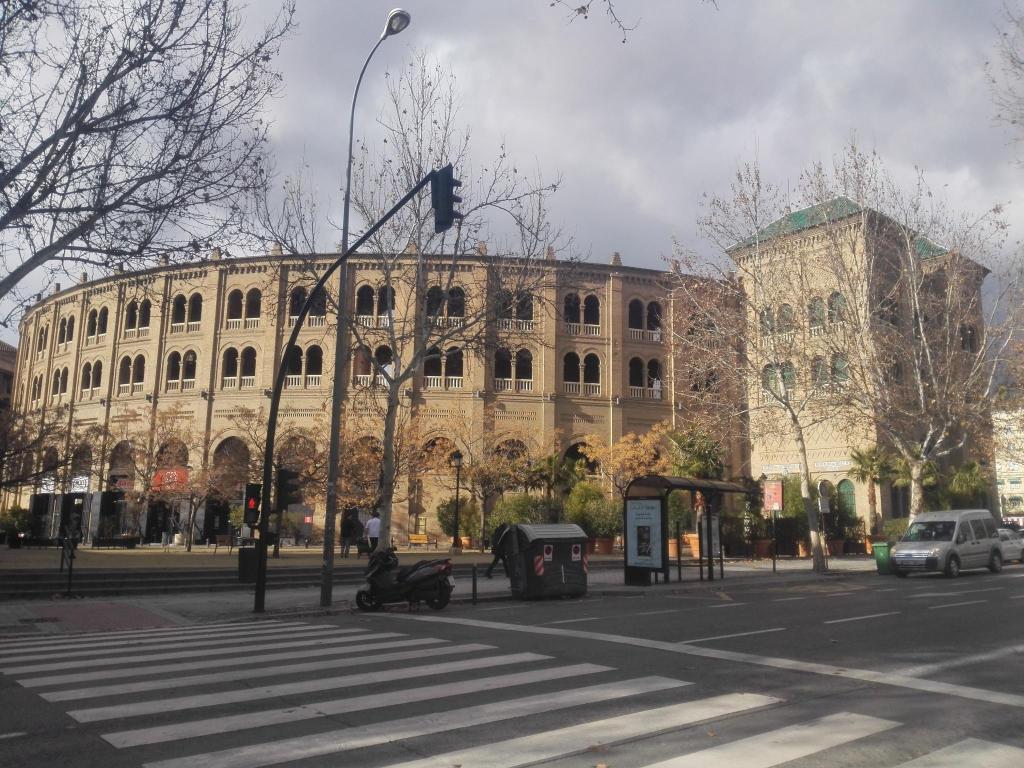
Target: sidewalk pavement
<point>63,616</point>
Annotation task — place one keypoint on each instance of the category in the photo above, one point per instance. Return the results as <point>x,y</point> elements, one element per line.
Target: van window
<point>990,527</point>
<point>978,526</point>
<point>941,530</point>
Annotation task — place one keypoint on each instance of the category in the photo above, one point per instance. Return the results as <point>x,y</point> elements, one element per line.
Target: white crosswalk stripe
<point>203,696</point>
<point>44,642</point>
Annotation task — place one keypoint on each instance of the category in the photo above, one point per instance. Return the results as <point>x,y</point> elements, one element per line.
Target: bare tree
<point>130,129</point>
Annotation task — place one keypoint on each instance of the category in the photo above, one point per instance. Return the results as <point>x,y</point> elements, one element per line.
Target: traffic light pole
<point>282,370</point>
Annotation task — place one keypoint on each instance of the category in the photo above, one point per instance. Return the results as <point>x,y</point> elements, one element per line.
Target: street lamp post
<point>457,463</point>
<point>397,21</point>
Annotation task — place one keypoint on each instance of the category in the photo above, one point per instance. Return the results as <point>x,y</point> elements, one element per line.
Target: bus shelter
<point>645,532</point>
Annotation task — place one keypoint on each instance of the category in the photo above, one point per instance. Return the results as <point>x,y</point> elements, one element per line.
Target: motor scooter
<point>429,581</point>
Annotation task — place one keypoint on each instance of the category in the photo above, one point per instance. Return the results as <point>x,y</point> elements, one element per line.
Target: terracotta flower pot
<point>693,543</point>
<point>601,545</point>
<point>836,547</point>
<point>673,548</point>
<point>762,548</point>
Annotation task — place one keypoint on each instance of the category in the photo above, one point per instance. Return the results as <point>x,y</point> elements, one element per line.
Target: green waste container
<point>882,562</point>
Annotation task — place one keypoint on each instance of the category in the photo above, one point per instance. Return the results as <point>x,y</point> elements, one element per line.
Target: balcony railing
<point>524,385</point>
<point>381,380</point>
<point>448,322</point>
<point>432,382</point>
<point>363,379</point>
<point>508,324</point>
<point>654,335</point>
<point>143,331</point>
<point>573,329</point>
<point>316,321</point>
<point>177,327</point>
<point>636,334</point>
<point>173,386</point>
<point>193,325</point>
<point>101,336</point>
<point>124,389</point>
<point>229,382</point>
<point>571,387</point>
<point>187,384</point>
<point>654,393</point>
<point>234,323</point>
<point>312,380</point>
<point>453,382</point>
<point>248,382</point>
<point>252,322</point>
<point>293,381</point>
<point>502,385</point>
<point>591,330</point>
<point>591,389</point>
<point>366,321</point>
<point>131,333</point>
<point>137,387</point>
<point>637,392</point>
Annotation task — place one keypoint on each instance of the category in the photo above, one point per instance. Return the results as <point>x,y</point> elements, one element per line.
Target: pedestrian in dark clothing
<point>348,537</point>
<point>498,548</point>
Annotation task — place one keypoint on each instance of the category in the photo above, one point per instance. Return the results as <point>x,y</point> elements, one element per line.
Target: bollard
<point>474,584</point>
<point>679,554</point>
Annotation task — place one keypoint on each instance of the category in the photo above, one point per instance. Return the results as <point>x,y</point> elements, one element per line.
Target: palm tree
<point>554,472</point>
<point>873,466</point>
<point>694,454</point>
<point>967,484</point>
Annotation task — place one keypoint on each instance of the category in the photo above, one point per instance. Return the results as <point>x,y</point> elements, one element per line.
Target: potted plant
<point>587,507</point>
<point>16,522</point>
<point>680,518</point>
<point>469,519</point>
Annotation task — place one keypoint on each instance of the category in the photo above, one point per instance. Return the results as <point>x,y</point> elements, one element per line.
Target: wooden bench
<point>421,540</point>
<point>223,540</point>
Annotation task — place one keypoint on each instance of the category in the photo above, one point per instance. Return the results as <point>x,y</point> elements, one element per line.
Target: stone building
<point>587,352</point>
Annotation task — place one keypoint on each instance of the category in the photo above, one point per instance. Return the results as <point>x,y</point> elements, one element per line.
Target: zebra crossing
<point>267,693</point>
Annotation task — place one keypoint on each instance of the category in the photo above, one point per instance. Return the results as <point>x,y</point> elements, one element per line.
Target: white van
<point>949,542</point>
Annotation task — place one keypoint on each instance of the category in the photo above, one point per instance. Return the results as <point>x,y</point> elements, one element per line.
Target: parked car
<point>1012,545</point>
<point>949,542</point>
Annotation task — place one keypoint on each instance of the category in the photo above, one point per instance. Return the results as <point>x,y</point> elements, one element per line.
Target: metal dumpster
<point>547,560</point>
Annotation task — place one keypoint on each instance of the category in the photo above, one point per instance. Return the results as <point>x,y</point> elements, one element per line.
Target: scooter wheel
<point>367,602</point>
<point>444,593</point>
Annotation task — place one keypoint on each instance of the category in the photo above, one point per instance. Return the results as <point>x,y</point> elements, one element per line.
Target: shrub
<point>591,510</point>
<point>16,520</point>
<point>679,512</point>
<point>517,508</point>
<point>469,517</point>
<point>894,528</point>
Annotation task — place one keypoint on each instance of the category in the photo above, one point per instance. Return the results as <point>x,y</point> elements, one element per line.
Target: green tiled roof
<point>927,249</point>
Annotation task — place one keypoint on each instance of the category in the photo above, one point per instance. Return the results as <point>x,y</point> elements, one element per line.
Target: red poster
<point>772,495</point>
<point>170,478</point>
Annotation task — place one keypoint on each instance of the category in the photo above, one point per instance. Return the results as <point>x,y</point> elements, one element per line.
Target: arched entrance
<point>230,469</point>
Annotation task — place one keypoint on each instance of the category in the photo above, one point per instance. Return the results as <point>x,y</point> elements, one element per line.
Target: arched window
<point>71,330</point>
<point>524,306</point>
<point>636,373</point>
<point>86,377</point>
<point>453,367</point>
<point>575,455</point>
<point>64,381</point>
<point>591,310</point>
<point>314,366</point>
<point>654,377</point>
<point>502,365</point>
<point>362,365</point>
<point>195,308</point>
<point>318,307</point>
<point>62,329</point>
<point>819,373</point>
<point>231,465</point>
<point>788,376</point>
<point>506,306</point>
<point>840,369</point>
<point>293,364</point>
<point>144,311</point>
<point>385,300</point>
<point>101,321</point>
<point>248,367</point>
<point>571,369</point>
<point>296,301</point>
<point>235,302</point>
<point>173,453</point>
<point>188,367</point>
<point>968,338</point>
<point>138,372</point>
<point>836,308</point>
<point>432,367</point>
<point>90,324</point>
<point>55,390</point>
<point>636,314</point>
<point>229,368</point>
<point>97,375</point>
<point>895,372</point>
<point>571,309</point>
<point>253,304</point>
<point>131,316</point>
<point>385,360</point>
<point>769,382</point>
<point>364,300</point>
<point>173,370</point>
<point>179,310</point>
<point>124,376</point>
<point>435,302</point>
<point>654,316</point>
<point>511,450</point>
<point>846,499</point>
<point>456,302</point>
<point>592,375</point>
<point>816,313</point>
<point>766,320</point>
<point>787,319</point>
<point>524,365</point>
<point>704,381</point>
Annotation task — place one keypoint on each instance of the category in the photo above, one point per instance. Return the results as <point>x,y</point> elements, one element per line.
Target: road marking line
<point>13,735</point>
<point>787,599</point>
<point>264,693</point>
<point>795,665</point>
<point>726,605</point>
<point>207,678</point>
<point>955,605</point>
<point>572,740</point>
<point>323,646</point>
<point>422,724</point>
<point>783,744</point>
<point>972,752</point>
<point>573,621</point>
<point>179,628</point>
<point>835,594</point>
<point>653,613</point>
<point>859,618</point>
<point>957,592</point>
<point>924,670</point>
<point>887,589</point>
<point>86,654</point>
<point>736,634</point>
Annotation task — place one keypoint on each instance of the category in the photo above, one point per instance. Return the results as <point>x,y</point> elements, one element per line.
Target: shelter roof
<point>671,483</point>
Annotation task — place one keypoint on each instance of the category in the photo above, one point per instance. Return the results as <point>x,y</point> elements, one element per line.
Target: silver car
<point>1012,545</point>
<point>949,542</point>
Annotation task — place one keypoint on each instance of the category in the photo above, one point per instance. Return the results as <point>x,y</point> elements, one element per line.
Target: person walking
<point>372,530</point>
<point>498,548</point>
<point>348,533</point>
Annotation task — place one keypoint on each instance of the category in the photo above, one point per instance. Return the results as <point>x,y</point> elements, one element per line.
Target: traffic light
<point>288,489</point>
<point>443,198</point>
<point>251,513</point>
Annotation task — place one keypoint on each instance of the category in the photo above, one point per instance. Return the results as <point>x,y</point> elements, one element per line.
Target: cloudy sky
<point>641,131</point>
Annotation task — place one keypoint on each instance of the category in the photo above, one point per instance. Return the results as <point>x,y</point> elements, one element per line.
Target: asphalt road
<point>857,670</point>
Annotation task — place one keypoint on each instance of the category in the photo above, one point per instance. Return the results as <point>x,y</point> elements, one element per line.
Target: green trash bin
<point>882,562</point>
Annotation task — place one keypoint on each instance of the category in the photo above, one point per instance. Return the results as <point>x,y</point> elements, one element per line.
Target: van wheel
<point>953,567</point>
<point>900,573</point>
<point>995,563</point>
